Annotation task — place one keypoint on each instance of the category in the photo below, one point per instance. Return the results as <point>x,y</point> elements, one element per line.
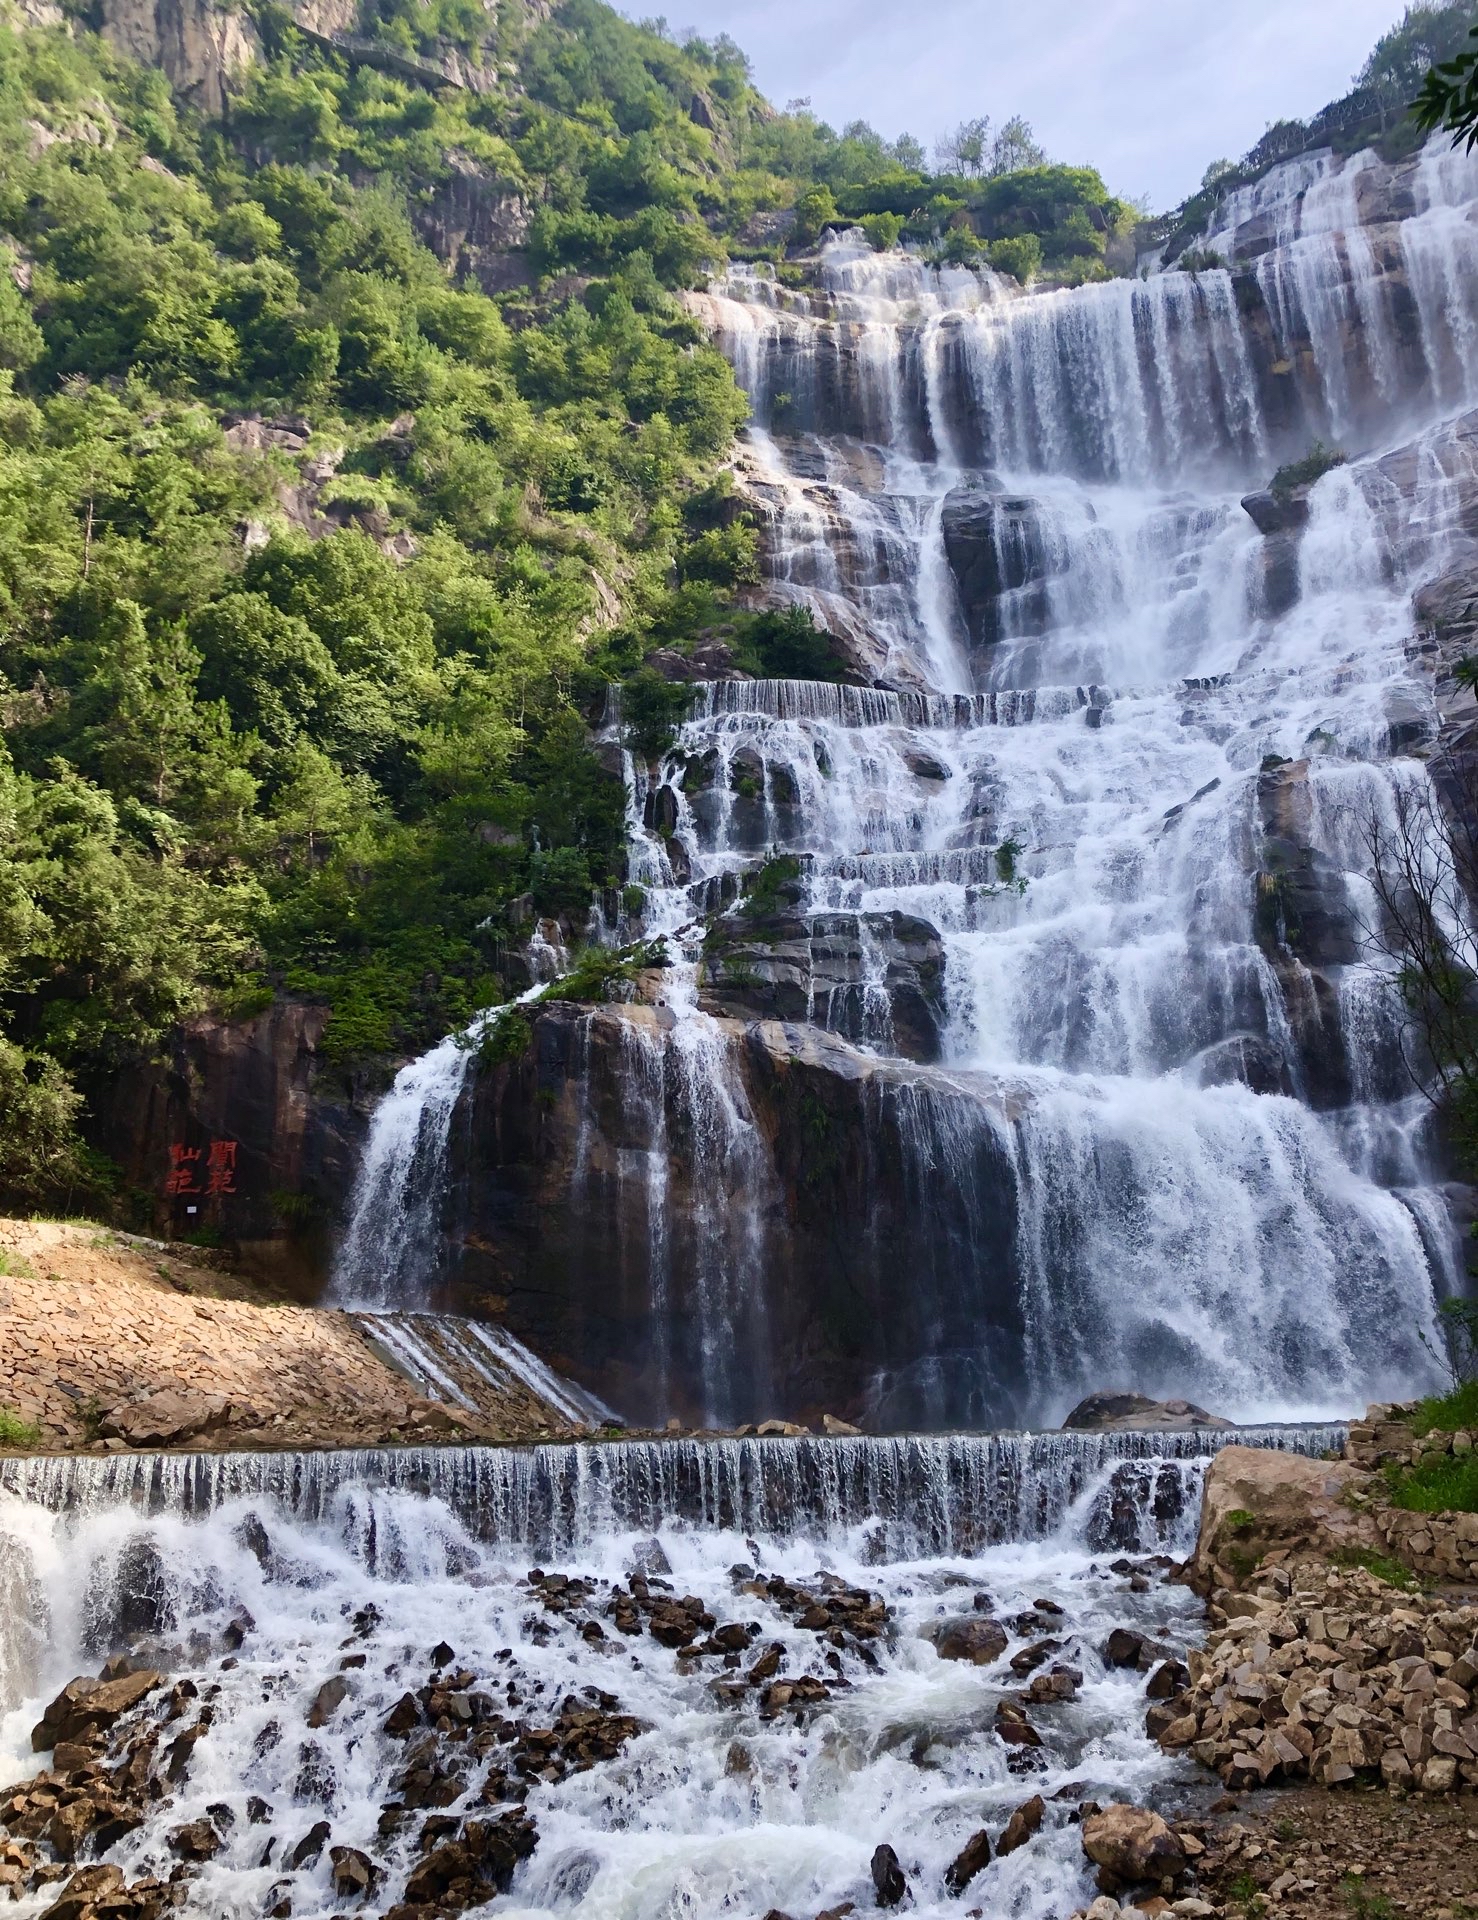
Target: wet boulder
<point>85,1705</point>
<point>887,1877</point>
<point>974,1857</point>
<point>1277,512</point>
<point>353,1873</point>
<point>1137,1413</point>
<point>973,1637</point>
<point>1024,1824</point>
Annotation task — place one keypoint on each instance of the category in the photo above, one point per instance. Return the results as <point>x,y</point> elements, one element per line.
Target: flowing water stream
<point>259,1577</point>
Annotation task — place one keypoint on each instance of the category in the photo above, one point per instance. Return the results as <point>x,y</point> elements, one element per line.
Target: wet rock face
<point>996,549</point>
<point>1305,927</point>
<point>1135,1413</point>
<point>873,977</point>
<point>804,1168</point>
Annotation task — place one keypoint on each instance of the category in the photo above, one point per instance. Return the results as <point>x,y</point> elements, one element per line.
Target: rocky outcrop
<point>200,46</point>
<point>478,224</point>
<point>1134,1413</point>
<point>628,1195</point>
<point>244,1131</point>
<point>874,977</point>
<point>1000,561</point>
<point>1305,927</point>
<point>1254,1500</point>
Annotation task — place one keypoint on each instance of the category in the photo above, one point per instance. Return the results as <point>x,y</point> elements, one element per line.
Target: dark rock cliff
<point>589,1191</point>
<point>241,1132</point>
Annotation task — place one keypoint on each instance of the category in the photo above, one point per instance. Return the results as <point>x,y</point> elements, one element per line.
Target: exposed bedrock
<point>1001,561</point>
<point>628,1202</point>
<point>1305,929</point>
<point>874,977</point>
<point>242,1130</point>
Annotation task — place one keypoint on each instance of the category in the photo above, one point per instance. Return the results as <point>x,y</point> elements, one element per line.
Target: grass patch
<point>1362,1902</point>
<point>16,1432</point>
<point>1381,1565</point>
<point>1449,1412</point>
<point>16,1266</point>
<point>1444,1483</point>
<point>1239,1520</point>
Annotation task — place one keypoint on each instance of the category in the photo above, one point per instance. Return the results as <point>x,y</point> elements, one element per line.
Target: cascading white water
<point>256,1579</point>
<point>1106,702</point>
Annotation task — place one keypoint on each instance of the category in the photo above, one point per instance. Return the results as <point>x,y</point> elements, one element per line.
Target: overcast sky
<point>1148,91</point>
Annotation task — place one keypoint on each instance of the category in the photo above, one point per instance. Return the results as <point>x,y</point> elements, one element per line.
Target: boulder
<point>1023,1825</point>
<point>85,1705</point>
<point>87,1887</point>
<point>973,1637</point>
<point>327,1701</point>
<point>972,1858</point>
<point>197,1840</point>
<point>1277,512</point>
<point>352,1872</point>
<point>1133,1844</point>
<point>166,1418</point>
<point>887,1877</point>
<point>1255,1498</point>
<point>1136,1413</point>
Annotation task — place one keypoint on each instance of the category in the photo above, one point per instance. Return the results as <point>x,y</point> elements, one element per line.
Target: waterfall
<point>390,1253</point>
<point>921,1496</point>
<point>1079,837</point>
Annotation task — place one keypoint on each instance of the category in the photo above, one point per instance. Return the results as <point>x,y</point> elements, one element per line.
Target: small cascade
<point>391,1251</point>
<point>918,1496</point>
<point>329,1625</point>
<point>457,1360</point>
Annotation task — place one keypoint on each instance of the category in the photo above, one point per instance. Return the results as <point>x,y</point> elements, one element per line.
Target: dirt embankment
<point>109,1342</point>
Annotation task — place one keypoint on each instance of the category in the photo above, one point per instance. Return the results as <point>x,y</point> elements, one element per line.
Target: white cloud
<point>1148,91</point>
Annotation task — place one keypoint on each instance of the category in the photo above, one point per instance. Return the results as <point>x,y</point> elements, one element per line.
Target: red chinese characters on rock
<point>184,1169</point>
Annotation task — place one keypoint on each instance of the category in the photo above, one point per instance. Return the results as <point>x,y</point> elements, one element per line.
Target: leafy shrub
<point>785,644</point>
<point>16,1432</point>
<point>882,229</point>
<point>652,710</point>
<point>1019,254</point>
<point>1318,461</point>
<point>559,881</point>
<point>772,885</point>
<point>507,1037</point>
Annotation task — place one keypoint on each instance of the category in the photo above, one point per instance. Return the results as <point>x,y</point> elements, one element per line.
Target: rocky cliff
<point>668,1252</point>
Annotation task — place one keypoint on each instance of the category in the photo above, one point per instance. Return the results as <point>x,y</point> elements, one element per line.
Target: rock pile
<point>1334,1676</point>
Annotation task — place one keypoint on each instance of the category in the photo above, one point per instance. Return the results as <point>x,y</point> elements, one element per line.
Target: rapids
<point>252,1575</point>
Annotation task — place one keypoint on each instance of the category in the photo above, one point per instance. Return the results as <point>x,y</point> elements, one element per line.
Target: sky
<point>1148,91</point>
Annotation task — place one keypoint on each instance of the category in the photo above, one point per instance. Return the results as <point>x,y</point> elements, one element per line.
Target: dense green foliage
<point>1449,96</point>
<point>297,703</point>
